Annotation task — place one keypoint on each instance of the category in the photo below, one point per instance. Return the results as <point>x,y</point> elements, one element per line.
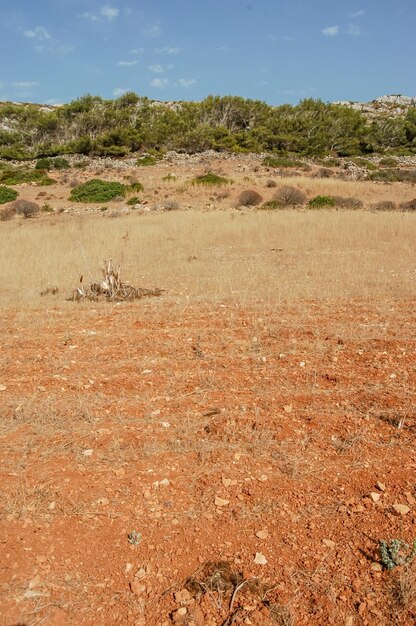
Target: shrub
<point>25,208</point>
<point>324,172</point>
<point>97,190</point>
<point>7,195</point>
<point>133,200</point>
<point>170,178</point>
<point>290,196</point>
<point>171,205</point>
<point>271,183</point>
<point>7,213</point>
<point>60,163</point>
<point>210,179</point>
<point>17,175</point>
<point>388,162</point>
<point>135,186</point>
<point>281,161</point>
<point>394,176</point>
<point>384,205</point>
<point>147,160</point>
<point>319,202</point>
<point>43,164</point>
<point>271,205</point>
<point>249,197</point>
<point>348,203</point>
<point>47,208</point>
<point>409,206</point>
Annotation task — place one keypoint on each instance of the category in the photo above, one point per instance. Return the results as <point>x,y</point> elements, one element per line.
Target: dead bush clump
<point>290,196</point>
<point>409,206</point>
<point>271,183</point>
<point>7,213</point>
<point>383,205</point>
<point>25,207</point>
<point>249,197</point>
<point>324,172</point>
<point>111,288</point>
<point>348,203</point>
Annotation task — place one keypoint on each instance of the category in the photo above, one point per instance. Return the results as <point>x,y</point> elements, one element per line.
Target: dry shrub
<point>409,206</point>
<point>324,172</point>
<point>384,205</point>
<point>221,195</point>
<point>405,591</point>
<point>348,202</point>
<point>271,183</point>
<point>171,205</point>
<point>25,208</point>
<point>7,213</point>
<point>290,196</point>
<point>249,197</point>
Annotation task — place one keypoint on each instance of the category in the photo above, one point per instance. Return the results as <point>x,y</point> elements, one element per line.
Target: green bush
<point>147,160</point>
<point>96,190</point>
<point>7,195</point>
<point>133,187</point>
<point>319,202</point>
<point>282,161</point>
<point>133,201</point>
<point>388,162</point>
<point>210,179</point>
<point>61,163</point>
<point>18,175</point>
<point>43,164</point>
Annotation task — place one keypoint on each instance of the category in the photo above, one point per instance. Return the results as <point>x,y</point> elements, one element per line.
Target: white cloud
<point>354,30</point>
<point>153,31</point>
<point>157,69</point>
<point>106,12</point>
<point>137,51</point>
<point>168,50</point>
<point>119,91</point>
<point>186,82</point>
<point>161,83</point>
<point>127,63</point>
<point>358,13</point>
<point>109,12</point>
<point>39,33</point>
<point>330,31</point>
<point>25,84</point>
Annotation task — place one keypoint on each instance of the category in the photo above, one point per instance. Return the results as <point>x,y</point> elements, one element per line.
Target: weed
<point>146,160</point>
<point>383,205</point>
<point>282,161</point>
<point>25,207</point>
<point>348,202</point>
<point>134,187</point>
<point>319,202</point>
<point>7,195</point>
<point>249,197</point>
<point>396,552</point>
<point>132,201</point>
<point>171,205</point>
<point>47,208</point>
<point>97,190</point>
<point>210,179</point>
<point>170,178</point>
<point>405,589</point>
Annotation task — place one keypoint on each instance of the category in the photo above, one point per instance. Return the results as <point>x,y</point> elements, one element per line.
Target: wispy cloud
<point>222,48</point>
<point>39,33</point>
<point>167,50</point>
<point>358,13</point>
<point>25,84</point>
<point>330,31</point>
<point>106,12</point>
<point>119,91</point>
<point>137,51</point>
<point>186,82</point>
<point>157,69</point>
<point>161,83</point>
<point>153,31</point>
<point>354,30</point>
<point>127,63</point>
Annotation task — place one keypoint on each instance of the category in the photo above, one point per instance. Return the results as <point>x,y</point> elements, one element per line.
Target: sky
<point>278,51</point>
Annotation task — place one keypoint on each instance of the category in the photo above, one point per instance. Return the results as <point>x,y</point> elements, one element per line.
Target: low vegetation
<point>26,208</point>
<point>322,202</point>
<point>249,197</point>
<point>11,175</point>
<point>96,190</point>
<point>210,179</point>
<point>7,195</point>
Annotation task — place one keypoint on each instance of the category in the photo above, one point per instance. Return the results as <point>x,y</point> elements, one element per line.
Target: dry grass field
<point>230,452</point>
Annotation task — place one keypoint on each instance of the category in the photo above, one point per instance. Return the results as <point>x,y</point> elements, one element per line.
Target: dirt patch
<point>246,451</point>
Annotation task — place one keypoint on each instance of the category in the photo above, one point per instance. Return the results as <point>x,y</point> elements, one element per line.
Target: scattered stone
<point>260,559</point>
<point>376,567</point>
<point>226,482</point>
<point>381,486</point>
<point>88,452</point>
<point>328,543</point>
<point>3,387</point>
<point>141,573</point>
<point>137,587</point>
<point>288,408</point>
<point>182,597</point>
<point>146,371</point>
<point>401,509</point>
<point>262,534</point>
<point>128,568</point>
<point>221,502</point>
<point>375,496</point>
<point>165,482</point>
<point>179,614</point>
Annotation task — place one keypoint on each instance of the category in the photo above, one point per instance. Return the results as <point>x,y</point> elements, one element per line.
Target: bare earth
<point>210,461</point>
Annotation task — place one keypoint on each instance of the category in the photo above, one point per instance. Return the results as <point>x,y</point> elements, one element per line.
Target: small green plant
<point>17,175</point>
<point>281,161</point>
<point>319,202</point>
<point>134,200</point>
<point>170,178</point>
<point>134,186</point>
<point>43,164</point>
<point>97,190</point>
<point>47,208</point>
<point>396,552</point>
<point>7,195</point>
<point>134,537</point>
<point>147,160</point>
<point>60,163</point>
<point>210,179</point>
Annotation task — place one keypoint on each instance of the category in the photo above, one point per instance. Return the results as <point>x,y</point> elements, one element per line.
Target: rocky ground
<point>207,464</point>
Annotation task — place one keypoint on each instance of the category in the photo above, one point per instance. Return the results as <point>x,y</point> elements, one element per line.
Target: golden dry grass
<point>244,256</point>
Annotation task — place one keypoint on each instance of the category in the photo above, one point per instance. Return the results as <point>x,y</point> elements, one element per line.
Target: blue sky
<point>279,51</point>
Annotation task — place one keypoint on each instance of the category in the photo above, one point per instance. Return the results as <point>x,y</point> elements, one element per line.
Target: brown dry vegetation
<point>272,385</point>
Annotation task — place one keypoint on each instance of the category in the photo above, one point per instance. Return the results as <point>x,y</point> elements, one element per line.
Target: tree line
<point>91,125</point>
